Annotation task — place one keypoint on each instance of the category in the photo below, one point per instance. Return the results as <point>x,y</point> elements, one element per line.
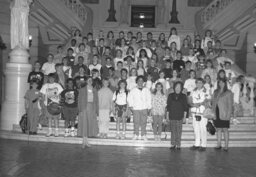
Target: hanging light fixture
<point>30,40</point>
<point>141,25</point>
<point>142,16</point>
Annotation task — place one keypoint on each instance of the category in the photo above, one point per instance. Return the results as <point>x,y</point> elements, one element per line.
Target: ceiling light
<point>142,16</point>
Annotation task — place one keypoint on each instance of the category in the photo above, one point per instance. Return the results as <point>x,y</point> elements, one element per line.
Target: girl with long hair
<point>158,110</point>
<point>120,107</point>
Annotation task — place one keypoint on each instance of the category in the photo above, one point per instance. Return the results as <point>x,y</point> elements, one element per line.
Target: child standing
<point>32,106</point>
<point>105,102</point>
<point>165,83</point>
<point>158,110</point>
<point>69,99</point>
<point>120,107</point>
<point>51,93</point>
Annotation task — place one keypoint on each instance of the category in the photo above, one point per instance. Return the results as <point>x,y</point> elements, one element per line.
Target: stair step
<point>150,143</point>
<point>185,127</point>
<point>185,134</point>
<point>242,121</point>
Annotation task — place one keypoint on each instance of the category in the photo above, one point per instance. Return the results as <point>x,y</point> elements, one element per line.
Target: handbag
<point>210,128</point>
<point>54,108</point>
<point>208,113</point>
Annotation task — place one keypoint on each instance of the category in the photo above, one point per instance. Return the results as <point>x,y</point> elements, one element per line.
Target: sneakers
<point>193,148</point>
<point>72,132</point>
<point>123,136</point>
<point>235,121</point>
<point>135,137</point>
<point>49,132</point>
<point>40,127</point>
<point>56,134</point>
<point>117,135</point>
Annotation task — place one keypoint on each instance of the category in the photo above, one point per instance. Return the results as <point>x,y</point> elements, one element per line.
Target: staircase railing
<point>78,8</point>
<point>213,9</point>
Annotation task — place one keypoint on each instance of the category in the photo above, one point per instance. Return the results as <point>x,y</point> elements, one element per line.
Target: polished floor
<point>33,159</point>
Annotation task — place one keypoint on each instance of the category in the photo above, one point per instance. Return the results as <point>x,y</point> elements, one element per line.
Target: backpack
<point>24,123</point>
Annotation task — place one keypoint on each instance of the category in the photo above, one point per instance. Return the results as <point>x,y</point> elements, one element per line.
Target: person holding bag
<point>198,98</point>
<point>222,106</point>
<point>51,95</point>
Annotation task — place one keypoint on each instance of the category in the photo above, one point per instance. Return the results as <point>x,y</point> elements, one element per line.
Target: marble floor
<point>35,159</point>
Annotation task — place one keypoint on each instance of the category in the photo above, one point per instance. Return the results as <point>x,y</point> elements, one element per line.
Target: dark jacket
<point>176,106</point>
<point>82,99</point>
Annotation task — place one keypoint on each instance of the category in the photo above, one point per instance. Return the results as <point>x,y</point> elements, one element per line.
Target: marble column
<point>18,68</point>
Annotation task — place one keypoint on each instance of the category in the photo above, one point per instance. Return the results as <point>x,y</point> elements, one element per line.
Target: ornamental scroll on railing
<point>213,9</point>
<point>77,7</point>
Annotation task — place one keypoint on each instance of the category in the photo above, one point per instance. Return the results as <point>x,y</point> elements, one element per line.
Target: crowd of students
<point>167,79</point>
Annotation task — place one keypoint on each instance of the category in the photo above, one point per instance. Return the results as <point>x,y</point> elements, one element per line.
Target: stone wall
<point>185,16</point>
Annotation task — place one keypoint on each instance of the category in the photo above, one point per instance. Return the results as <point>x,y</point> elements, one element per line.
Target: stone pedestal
<point>16,85</point>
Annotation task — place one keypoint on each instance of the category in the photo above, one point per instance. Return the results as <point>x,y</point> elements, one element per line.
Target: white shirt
<point>198,96</point>
<point>92,66</point>
<point>68,71</point>
<point>51,92</point>
<point>164,82</point>
<point>176,39</point>
<point>205,41</point>
<point>222,60</point>
<point>48,68</point>
<point>230,74</point>
<point>116,60</point>
<point>131,82</point>
<point>149,85</point>
<point>140,99</point>
<point>120,98</point>
<point>190,84</point>
<point>209,90</point>
<point>236,91</point>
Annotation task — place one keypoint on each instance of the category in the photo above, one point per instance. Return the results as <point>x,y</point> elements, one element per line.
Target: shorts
<point>69,114</point>
<point>120,110</point>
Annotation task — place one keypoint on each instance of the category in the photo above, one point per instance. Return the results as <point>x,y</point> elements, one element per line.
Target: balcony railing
<point>78,8</point>
<point>213,9</point>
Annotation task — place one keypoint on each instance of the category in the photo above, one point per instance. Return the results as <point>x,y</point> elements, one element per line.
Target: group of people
<point>164,81</point>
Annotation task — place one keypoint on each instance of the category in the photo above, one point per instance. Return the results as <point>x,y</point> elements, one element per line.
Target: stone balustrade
<point>213,9</point>
<point>77,7</point>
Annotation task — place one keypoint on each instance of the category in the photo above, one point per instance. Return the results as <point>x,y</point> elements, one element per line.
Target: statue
<point>160,11</point>
<point>19,23</point>
<point>124,11</point>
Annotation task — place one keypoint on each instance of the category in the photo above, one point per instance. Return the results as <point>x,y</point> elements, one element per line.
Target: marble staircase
<point>241,135</point>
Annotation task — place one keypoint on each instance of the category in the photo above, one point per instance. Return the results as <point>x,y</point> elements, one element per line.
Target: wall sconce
<point>30,40</point>
<point>254,46</point>
<point>141,25</point>
<point>142,16</point>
